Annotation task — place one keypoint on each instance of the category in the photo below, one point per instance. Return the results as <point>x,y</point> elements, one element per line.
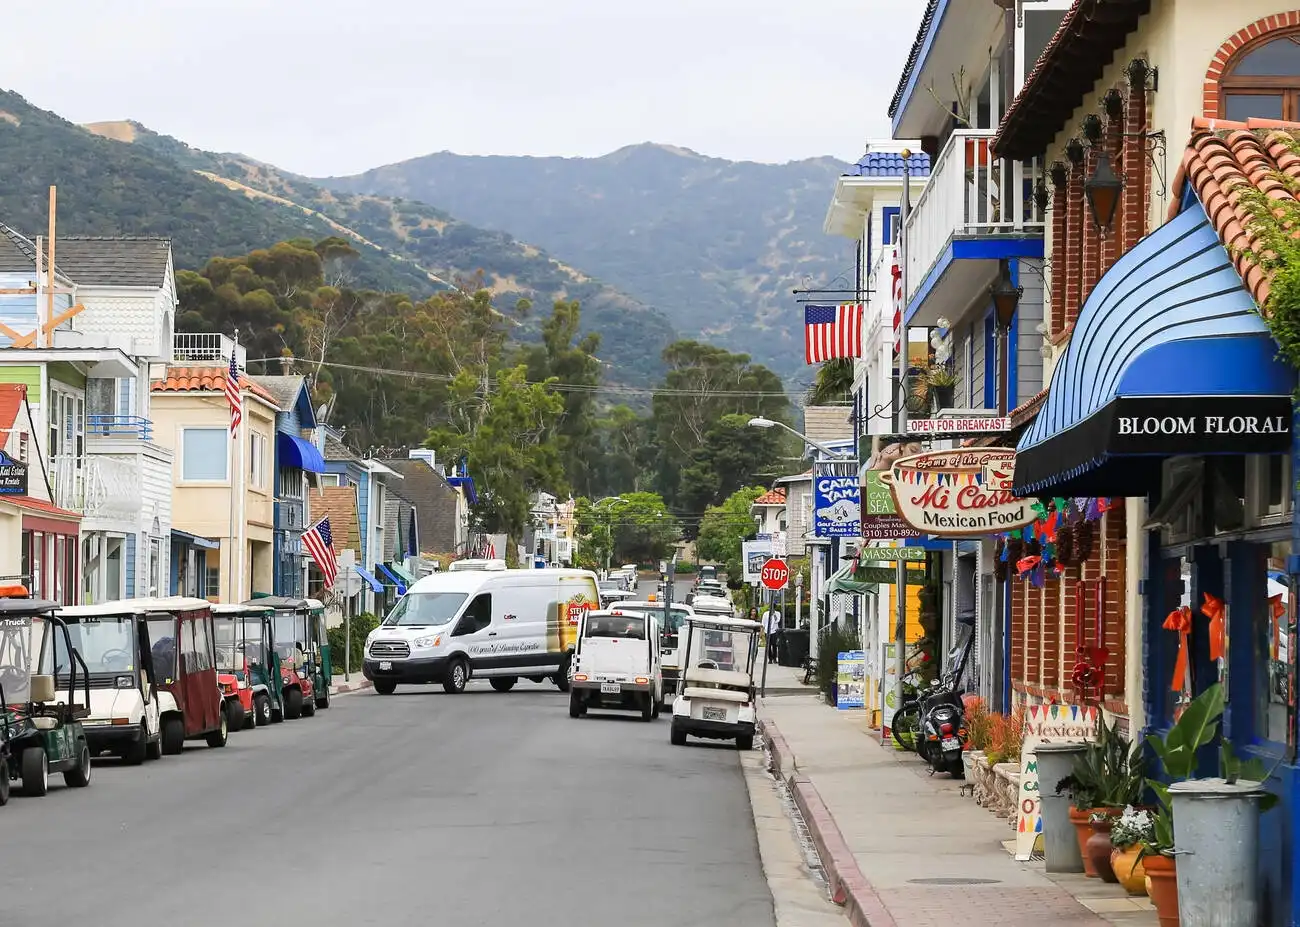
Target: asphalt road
<point>419,808</point>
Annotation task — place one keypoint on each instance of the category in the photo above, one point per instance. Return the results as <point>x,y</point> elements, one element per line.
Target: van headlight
<point>433,640</point>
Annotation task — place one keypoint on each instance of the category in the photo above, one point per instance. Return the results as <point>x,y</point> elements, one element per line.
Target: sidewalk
<point>340,686</point>
<point>903,849</point>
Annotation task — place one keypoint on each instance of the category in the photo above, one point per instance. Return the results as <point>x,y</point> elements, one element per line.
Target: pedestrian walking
<point>774,634</point>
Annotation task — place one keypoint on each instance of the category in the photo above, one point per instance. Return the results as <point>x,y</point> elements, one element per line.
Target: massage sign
<point>959,493</point>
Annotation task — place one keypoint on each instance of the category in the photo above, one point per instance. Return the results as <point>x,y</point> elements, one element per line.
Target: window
<point>1263,80</point>
<point>67,421</point>
<point>476,617</point>
<point>204,455</point>
<point>891,216</point>
<point>617,626</point>
<point>162,647</point>
<point>212,583</point>
<point>257,461</point>
<point>329,479</point>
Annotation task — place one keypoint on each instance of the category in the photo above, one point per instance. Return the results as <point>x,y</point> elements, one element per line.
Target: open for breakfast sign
<point>964,492</point>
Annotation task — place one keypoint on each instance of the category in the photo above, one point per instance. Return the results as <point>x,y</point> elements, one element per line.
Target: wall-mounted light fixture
<point>1103,189</point>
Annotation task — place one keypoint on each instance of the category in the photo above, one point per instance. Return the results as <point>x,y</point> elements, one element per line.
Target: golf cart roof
<point>282,602</point>
<point>175,603</point>
<point>712,603</point>
<point>656,606</point>
<point>19,608</point>
<point>725,622</point>
<point>242,608</point>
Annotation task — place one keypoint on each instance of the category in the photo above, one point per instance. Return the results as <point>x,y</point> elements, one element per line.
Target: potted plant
<point>942,382</point>
<point>1106,778</point>
<point>1156,852</point>
<point>1128,834</point>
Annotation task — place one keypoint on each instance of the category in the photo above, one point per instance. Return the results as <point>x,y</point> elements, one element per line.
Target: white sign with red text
<point>958,493</point>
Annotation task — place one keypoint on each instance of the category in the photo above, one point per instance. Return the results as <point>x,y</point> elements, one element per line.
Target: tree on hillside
<point>627,452</point>
<point>724,527</point>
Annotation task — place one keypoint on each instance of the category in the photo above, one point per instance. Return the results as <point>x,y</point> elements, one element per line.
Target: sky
<point>328,87</point>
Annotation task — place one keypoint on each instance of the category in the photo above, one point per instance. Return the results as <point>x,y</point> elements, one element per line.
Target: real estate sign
<point>13,476</point>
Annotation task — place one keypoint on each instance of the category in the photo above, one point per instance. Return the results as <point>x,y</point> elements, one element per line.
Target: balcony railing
<point>970,193</point>
<point>120,426</point>
<point>97,486</point>
<point>206,348</point>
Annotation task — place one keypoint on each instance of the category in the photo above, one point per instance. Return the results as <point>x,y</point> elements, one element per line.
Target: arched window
<point>1263,80</point>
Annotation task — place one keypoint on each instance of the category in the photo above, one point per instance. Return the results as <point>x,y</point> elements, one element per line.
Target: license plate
<point>715,714</point>
<point>951,743</point>
<point>385,664</point>
<point>610,688</point>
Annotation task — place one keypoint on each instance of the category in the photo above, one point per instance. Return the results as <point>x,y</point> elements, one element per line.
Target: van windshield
<point>631,626</point>
<point>426,609</point>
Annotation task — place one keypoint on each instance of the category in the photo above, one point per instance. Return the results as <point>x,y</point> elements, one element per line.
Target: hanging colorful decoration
<point>1062,534</point>
<point>1180,620</point>
<point>1213,609</point>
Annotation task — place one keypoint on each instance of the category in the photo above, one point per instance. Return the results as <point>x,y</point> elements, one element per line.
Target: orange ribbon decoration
<point>1180,620</point>
<point>1277,613</point>
<point>1213,609</point>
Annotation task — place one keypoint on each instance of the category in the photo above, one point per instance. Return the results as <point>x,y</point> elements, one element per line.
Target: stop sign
<point>775,574</point>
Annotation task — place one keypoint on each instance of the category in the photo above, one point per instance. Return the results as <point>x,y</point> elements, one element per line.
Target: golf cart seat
<point>717,683</point>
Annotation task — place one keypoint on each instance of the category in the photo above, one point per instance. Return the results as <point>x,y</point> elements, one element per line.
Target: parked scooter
<point>942,736</point>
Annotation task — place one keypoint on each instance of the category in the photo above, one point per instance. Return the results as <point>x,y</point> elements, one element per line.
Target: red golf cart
<point>181,635</point>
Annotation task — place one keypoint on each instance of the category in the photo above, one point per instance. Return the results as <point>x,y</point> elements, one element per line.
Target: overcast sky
<point>333,87</point>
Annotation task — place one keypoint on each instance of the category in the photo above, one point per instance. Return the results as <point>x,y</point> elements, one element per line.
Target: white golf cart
<point>716,700</point>
<point>616,664</point>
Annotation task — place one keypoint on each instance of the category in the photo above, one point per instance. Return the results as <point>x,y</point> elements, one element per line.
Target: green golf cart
<point>301,641</point>
<point>41,726</point>
<point>248,666</point>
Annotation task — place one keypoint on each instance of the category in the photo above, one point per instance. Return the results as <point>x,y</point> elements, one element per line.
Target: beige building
<point>192,417</point>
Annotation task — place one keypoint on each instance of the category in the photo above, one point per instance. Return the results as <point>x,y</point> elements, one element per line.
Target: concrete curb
<point>345,688</point>
<point>849,887</point>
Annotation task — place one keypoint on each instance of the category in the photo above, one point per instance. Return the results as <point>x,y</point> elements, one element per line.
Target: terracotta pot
<point>1162,888</point>
<point>1083,830</point>
<point>1098,849</point>
<point>1128,868</point>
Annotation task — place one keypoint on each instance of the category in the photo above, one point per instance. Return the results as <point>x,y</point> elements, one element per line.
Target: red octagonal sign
<point>775,574</point>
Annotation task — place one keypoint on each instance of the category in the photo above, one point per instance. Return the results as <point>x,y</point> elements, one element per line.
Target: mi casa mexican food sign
<point>958,493</point>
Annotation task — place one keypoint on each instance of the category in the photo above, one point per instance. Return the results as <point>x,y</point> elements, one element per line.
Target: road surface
<point>418,808</point>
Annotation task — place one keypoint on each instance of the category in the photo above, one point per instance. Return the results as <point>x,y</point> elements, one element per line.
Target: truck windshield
<point>426,609</point>
<point>107,644</point>
<point>16,659</point>
<point>632,626</point>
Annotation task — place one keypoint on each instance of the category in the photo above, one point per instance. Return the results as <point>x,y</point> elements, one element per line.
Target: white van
<point>495,624</point>
<point>616,665</point>
<point>633,578</point>
<point>459,565</point>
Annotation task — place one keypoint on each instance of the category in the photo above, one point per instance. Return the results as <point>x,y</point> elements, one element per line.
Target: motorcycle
<point>942,735</point>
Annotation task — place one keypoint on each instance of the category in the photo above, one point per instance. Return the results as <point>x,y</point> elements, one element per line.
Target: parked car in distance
<point>630,570</point>
<point>611,592</point>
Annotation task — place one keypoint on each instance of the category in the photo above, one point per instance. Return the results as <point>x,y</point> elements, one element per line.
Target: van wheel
<point>293,704</point>
<point>561,679</point>
<point>173,735</point>
<point>134,753</point>
<point>648,707</point>
<point>745,742</point>
<point>218,737</point>
<point>4,781</point>
<point>36,772</point>
<point>385,686</point>
<point>677,736</point>
<point>78,777</point>
<point>457,676</point>
<point>576,707</point>
<point>504,683</point>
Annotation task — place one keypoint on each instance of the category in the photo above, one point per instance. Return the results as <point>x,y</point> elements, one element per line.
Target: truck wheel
<point>648,707</point>
<point>219,737</point>
<point>457,676</point>
<point>173,735</point>
<point>133,753</point>
<point>677,736</point>
<point>35,768</point>
<point>293,704</point>
<point>78,777</point>
<point>261,709</point>
<point>385,686</point>
<point>504,683</point>
<point>4,781</point>
<point>323,702</point>
<point>745,742</point>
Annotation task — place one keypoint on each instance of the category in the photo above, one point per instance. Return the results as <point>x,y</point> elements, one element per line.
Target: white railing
<point>206,348</point>
<point>970,193</point>
<point>97,486</point>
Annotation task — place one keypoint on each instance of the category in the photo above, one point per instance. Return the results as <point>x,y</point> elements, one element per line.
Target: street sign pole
<point>767,636</point>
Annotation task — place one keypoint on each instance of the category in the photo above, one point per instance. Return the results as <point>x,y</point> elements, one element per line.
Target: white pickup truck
<point>617,664</point>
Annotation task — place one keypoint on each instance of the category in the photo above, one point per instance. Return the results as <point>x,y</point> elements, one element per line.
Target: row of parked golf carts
<point>137,678</point>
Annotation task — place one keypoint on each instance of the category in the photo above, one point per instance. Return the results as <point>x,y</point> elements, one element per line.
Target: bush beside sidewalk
<point>884,827</point>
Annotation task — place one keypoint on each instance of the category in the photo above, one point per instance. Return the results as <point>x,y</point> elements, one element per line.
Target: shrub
<point>362,625</point>
<point>833,640</point>
<point>1006,737</point>
<point>979,725</point>
<point>684,566</point>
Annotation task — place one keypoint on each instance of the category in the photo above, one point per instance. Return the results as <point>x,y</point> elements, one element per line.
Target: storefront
<point>1171,390</point>
<point>48,550</point>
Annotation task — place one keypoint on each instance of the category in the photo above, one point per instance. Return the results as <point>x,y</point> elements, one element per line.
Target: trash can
<point>794,647</point>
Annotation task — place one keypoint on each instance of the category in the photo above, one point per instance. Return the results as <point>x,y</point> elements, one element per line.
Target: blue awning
<point>397,581</point>
<point>466,483</point>
<point>369,577</point>
<point>296,452</point>
<point>1169,356</point>
<point>195,541</point>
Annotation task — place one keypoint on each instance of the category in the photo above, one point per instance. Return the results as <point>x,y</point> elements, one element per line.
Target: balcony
<point>97,486</point>
<point>205,348</point>
<point>975,210</point>
<point>119,426</point>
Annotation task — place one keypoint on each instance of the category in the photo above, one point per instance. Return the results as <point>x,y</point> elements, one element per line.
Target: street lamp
<point>1006,299</point>
<point>760,422</point>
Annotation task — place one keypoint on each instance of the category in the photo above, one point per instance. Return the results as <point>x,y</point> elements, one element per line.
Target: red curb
<point>849,887</point>
<point>781,756</point>
<point>353,687</point>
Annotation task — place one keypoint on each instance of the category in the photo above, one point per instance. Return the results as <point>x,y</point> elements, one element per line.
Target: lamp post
<point>760,422</point>
<point>1006,298</point>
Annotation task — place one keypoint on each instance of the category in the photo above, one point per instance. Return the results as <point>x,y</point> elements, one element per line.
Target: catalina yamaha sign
<point>837,507</point>
<point>958,493</point>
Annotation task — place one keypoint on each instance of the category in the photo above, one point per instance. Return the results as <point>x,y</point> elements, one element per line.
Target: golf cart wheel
<point>293,704</point>
<point>235,714</point>
<point>659,706</point>
<point>385,686</point>
<point>648,707</point>
<point>323,701</point>
<point>308,707</point>
<point>250,717</point>
<point>745,742</point>
<point>4,781</point>
<point>577,706</point>
<point>35,769</point>
<point>78,777</point>
<point>261,709</point>
<point>153,749</point>
<point>504,683</point>
<point>677,736</point>
<point>173,735</point>
<point>219,737</point>
<point>134,752</point>
<point>457,676</point>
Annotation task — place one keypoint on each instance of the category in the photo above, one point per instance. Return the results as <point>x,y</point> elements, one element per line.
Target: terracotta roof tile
<point>205,379</point>
<point>11,400</point>
<point>1221,158</point>
<point>771,497</point>
<point>339,505</point>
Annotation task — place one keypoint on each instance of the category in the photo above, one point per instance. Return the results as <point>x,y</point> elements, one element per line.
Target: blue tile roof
<point>889,164</point>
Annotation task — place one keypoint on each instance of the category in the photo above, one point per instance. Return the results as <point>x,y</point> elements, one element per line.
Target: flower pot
<point>1082,831</point>
<point>1127,865</point>
<point>944,396</point>
<point>1162,888</point>
<point>1098,849</point>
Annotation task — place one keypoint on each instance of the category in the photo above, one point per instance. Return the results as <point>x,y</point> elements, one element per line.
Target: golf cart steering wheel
<point>116,655</point>
<point>707,664</point>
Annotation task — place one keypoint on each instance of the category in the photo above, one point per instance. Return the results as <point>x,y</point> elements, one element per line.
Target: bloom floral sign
<point>959,493</point>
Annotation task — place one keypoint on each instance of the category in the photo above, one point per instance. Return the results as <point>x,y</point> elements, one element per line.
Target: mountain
<point>715,245</point>
<point>119,178</point>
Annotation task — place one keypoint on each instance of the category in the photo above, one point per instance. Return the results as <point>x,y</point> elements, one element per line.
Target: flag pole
<point>240,437</point>
<point>229,554</point>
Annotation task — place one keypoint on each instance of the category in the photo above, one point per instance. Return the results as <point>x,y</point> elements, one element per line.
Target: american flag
<point>897,273</point>
<point>832,331</point>
<point>233,395</point>
<point>319,541</point>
